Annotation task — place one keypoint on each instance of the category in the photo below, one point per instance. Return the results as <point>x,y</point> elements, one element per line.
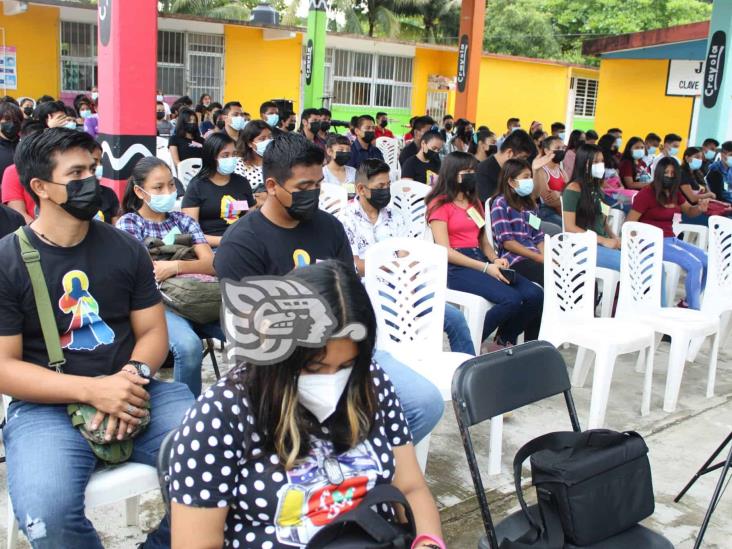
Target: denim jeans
<point>550,215</point>
<point>457,331</point>
<point>516,308</point>
<point>608,258</point>
<point>49,465</point>
<point>184,340</point>
<point>421,400</point>
<point>694,261</point>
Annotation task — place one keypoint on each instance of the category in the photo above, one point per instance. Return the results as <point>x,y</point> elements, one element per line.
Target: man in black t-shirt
<point>422,124</point>
<point>9,220</point>
<point>425,165</point>
<point>113,336</point>
<point>518,144</point>
<point>290,231</point>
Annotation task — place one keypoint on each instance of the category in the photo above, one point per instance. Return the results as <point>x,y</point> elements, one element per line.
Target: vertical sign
<point>127,69</point>
<point>315,54</point>
<point>8,68</point>
<point>714,71</point>
<point>462,68</point>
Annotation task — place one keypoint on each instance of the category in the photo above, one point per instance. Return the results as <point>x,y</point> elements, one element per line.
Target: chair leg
<point>210,349</point>
<point>712,376</point>
<point>603,375</point>
<point>422,449</point>
<point>648,378</point>
<point>608,299</point>
<point>495,449</point>
<point>132,511</point>
<point>12,531</point>
<point>676,363</point>
<point>581,367</point>
<point>640,362</point>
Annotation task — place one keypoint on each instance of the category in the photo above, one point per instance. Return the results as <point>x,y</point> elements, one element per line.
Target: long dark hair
<point>575,140</point>
<point>696,175</point>
<point>283,424</point>
<point>666,196</point>
<point>212,147</point>
<point>250,132</point>
<point>130,201</point>
<point>606,144</point>
<point>447,187</point>
<point>511,170</point>
<point>180,126</point>
<point>590,187</point>
<point>628,153</point>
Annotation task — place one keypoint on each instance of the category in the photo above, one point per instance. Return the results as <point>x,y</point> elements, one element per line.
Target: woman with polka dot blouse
<point>271,454</point>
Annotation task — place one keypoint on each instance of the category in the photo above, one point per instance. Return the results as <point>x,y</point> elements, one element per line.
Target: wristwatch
<point>143,370</point>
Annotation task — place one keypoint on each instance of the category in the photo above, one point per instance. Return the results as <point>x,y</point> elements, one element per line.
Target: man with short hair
<point>420,126</point>
<point>270,113</point>
<point>448,123</point>
<point>517,145</point>
<point>382,121</point>
<point>310,121</point>
<point>558,130</point>
<point>325,117</point>
<point>234,118</point>
<point>290,231</point>
<point>591,137</point>
<point>288,122</point>
<point>512,124</point>
<point>363,147</point>
<point>671,148</point>
<point>719,176</point>
<point>652,141</point>
<point>709,152</point>
<point>108,312</point>
<point>164,127</point>
<point>425,165</point>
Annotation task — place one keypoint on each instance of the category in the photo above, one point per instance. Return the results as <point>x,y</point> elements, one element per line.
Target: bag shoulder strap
<point>32,260</point>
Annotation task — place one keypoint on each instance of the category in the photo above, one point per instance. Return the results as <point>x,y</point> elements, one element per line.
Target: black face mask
<point>291,127</point>
<point>668,182</point>
<point>324,126</point>
<point>220,123</point>
<point>304,204</point>
<point>432,156</point>
<point>28,111</point>
<point>384,123</point>
<point>342,158</point>
<point>10,130</point>
<point>83,197</point>
<point>492,149</point>
<point>314,127</point>
<point>160,115</point>
<point>468,137</point>
<point>190,127</point>
<point>558,156</point>
<point>380,198</point>
<point>368,137</point>
<point>448,126</point>
<point>468,183</point>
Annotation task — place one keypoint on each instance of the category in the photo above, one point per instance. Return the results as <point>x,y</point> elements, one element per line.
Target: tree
<point>375,16</point>
<point>517,27</point>
<point>433,21</point>
<point>216,9</point>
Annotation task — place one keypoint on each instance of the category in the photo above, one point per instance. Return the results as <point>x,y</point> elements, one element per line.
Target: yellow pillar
<point>470,50</point>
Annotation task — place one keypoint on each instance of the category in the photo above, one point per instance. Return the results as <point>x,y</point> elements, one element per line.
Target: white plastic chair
<point>389,148</point>
<point>164,155</point>
<point>333,199</point>
<point>188,169</point>
<point>698,235</point>
<point>106,486</point>
<point>408,296</point>
<point>407,197</point>
<point>640,300</point>
<point>568,317</point>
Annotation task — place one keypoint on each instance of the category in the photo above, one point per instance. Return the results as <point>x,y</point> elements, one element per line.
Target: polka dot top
<point>252,173</point>
<point>268,506</point>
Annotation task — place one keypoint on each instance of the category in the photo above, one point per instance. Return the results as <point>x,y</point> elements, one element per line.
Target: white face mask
<point>598,170</point>
<point>320,393</point>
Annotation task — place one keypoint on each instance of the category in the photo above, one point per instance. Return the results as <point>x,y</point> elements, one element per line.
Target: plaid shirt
<point>141,228</point>
<point>509,224</point>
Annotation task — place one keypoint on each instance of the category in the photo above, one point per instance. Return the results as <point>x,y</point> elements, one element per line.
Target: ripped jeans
<point>49,465</point>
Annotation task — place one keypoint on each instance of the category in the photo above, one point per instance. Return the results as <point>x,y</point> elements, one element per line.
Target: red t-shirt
<point>655,214</point>
<point>12,189</point>
<point>383,132</point>
<point>461,229</point>
<point>627,169</point>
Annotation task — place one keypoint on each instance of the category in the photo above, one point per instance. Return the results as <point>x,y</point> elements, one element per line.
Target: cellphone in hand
<point>509,274</point>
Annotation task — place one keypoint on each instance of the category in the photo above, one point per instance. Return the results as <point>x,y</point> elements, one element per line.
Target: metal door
<point>205,66</point>
<point>437,104</point>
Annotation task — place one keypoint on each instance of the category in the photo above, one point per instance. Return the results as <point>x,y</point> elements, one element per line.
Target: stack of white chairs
<point>333,199</point>
<point>389,148</point>
<point>163,153</point>
<point>408,199</point>
<point>188,169</point>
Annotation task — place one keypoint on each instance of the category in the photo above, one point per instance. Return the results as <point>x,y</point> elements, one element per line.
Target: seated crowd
<point>264,437</point>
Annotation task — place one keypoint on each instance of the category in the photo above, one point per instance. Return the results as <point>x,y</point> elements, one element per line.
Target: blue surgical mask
<point>514,128</point>
<point>673,151</point>
<point>695,163</point>
<point>710,155</point>
<point>652,150</point>
<point>161,203</point>
<point>71,125</point>
<point>227,165</point>
<point>729,161</point>
<point>562,135</point>
<point>618,142</point>
<point>238,123</point>
<point>85,114</point>
<point>525,187</point>
<point>262,146</point>
<point>99,171</point>
<point>638,154</point>
<point>272,119</point>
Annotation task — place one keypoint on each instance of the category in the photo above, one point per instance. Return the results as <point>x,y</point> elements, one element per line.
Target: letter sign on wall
<point>309,62</point>
<point>462,71</point>
<point>714,69</point>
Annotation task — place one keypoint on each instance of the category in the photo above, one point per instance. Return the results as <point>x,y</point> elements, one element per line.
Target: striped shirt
<point>510,224</point>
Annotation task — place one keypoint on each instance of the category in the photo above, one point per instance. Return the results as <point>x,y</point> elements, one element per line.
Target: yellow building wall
<point>431,62</point>
<point>632,96</point>
<point>35,35</point>
<point>257,70</point>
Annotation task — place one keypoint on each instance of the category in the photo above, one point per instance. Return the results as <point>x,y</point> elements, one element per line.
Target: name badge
<point>240,205</point>
<point>476,217</point>
<point>605,209</point>
<point>169,239</point>
<point>534,221</point>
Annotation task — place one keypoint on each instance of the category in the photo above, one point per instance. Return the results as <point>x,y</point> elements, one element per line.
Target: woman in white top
<point>336,172</point>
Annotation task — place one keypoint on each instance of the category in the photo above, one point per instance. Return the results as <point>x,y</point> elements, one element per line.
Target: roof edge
<point>643,39</point>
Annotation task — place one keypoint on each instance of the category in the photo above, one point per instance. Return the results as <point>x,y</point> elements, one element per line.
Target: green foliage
<point>517,27</point>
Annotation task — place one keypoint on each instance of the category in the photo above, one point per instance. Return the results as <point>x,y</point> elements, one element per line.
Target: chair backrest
<point>492,384</point>
<point>407,197</point>
<point>719,271</point>
<point>333,198</point>
<point>406,280</point>
<point>615,220</point>
<point>389,147</point>
<point>164,155</point>
<point>161,143</point>
<point>188,169</point>
<point>163,466</point>
<point>569,276</point>
<point>488,227</point>
<point>641,267</point>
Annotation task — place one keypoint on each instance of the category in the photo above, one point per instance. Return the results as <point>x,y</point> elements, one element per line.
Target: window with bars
<point>78,56</point>
<point>585,96</point>
<point>357,78</point>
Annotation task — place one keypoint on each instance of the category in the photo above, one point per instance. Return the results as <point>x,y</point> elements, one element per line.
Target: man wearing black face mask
<point>325,117</point>
<point>310,127</point>
<point>11,118</point>
<point>425,165</point>
<point>363,147</point>
<point>105,306</point>
<point>382,121</point>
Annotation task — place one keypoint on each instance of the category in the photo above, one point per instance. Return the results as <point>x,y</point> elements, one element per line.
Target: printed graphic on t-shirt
<point>300,258</point>
<point>99,216</point>
<point>87,330</point>
<point>310,500</point>
<point>229,213</point>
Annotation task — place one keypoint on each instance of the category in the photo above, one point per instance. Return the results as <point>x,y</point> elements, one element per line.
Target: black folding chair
<point>163,463</point>
<point>499,382</point>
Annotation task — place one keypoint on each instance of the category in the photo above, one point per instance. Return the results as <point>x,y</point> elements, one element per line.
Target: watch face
<point>144,370</point>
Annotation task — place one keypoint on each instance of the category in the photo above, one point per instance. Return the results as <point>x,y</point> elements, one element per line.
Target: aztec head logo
<point>266,318</point>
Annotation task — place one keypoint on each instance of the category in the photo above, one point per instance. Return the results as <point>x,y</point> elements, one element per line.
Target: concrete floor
<point>679,443</point>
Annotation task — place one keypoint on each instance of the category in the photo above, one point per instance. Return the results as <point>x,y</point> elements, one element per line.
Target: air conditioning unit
<point>14,7</point>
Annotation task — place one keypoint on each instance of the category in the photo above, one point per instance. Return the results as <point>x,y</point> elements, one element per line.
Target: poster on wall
<point>8,68</point>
